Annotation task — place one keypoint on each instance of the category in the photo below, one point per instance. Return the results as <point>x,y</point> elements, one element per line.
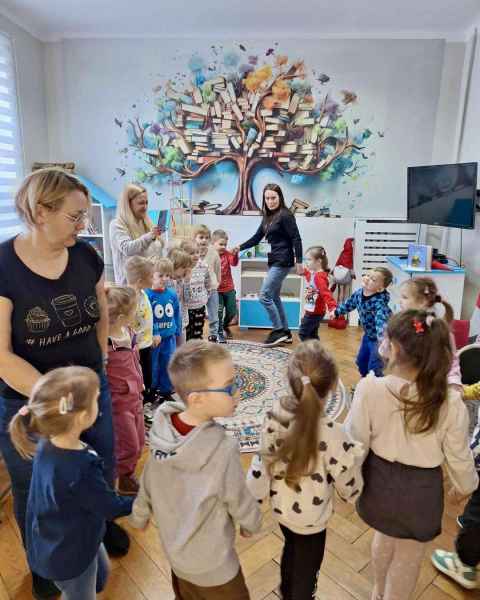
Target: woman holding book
<point>280,229</point>
<point>132,233</point>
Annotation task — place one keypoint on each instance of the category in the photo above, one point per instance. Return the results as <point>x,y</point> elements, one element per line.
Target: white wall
<point>30,60</point>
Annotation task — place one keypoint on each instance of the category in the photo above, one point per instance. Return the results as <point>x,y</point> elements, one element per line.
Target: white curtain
<point>11,167</point>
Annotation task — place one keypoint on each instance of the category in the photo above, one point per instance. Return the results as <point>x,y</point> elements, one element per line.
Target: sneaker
<point>148,412</point>
<point>275,337</point>
<point>116,540</point>
<point>449,564</point>
<point>43,589</point>
<point>222,339</point>
<point>228,333</point>
<point>128,485</point>
<point>289,339</point>
<point>212,339</point>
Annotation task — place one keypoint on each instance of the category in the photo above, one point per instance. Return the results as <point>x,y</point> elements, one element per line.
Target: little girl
<point>139,273</point>
<point>412,423</point>
<point>126,385</point>
<point>69,498</point>
<point>182,269</point>
<point>304,457</point>
<point>318,297</point>
<point>197,292</point>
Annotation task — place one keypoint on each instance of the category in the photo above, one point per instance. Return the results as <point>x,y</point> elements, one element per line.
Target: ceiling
<point>56,19</point>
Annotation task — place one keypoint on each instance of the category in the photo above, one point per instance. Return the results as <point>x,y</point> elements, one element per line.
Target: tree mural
<point>253,116</point>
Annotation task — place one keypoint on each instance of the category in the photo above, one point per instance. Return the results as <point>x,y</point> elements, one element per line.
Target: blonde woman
<point>132,233</point>
<point>53,313</point>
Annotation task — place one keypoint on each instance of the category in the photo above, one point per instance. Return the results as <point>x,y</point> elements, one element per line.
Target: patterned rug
<point>262,373</point>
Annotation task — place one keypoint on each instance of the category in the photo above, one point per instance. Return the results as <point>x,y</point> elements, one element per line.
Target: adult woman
<point>280,229</point>
<point>52,313</point>
<point>132,233</point>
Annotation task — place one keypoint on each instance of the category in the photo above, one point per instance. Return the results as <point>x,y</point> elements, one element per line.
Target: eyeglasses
<point>230,390</point>
<point>80,218</point>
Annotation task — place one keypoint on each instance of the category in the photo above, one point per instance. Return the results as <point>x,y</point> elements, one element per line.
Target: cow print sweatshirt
<point>306,508</point>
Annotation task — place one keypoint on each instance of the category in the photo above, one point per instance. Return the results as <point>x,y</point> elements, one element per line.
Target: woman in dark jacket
<point>280,229</point>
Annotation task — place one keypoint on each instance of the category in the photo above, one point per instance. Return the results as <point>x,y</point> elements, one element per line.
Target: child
<point>197,292</point>
<point>126,385</point>
<point>462,565</point>
<point>193,483</point>
<point>371,301</point>
<point>304,458</point>
<point>182,271</point>
<point>167,326</point>
<point>227,302</point>
<point>421,293</point>
<point>318,297</point>
<point>201,236</point>
<point>69,499</point>
<point>412,423</point>
<point>139,272</point>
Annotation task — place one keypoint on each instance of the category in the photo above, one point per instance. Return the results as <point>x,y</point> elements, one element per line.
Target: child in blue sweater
<point>371,301</point>
<point>167,325</point>
<point>69,499</point>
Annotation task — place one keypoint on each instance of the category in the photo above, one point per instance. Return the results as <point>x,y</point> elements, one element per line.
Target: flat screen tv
<point>443,195</point>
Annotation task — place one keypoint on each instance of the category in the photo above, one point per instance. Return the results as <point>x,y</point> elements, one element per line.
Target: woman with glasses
<point>132,233</point>
<point>52,314</point>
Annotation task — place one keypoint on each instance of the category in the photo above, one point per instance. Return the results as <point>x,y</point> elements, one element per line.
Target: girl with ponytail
<point>412,422</point>
<point>304,457</point>
<point>69,499</point>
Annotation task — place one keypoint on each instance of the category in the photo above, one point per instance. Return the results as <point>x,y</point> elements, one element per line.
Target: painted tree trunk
<point>244,199</point>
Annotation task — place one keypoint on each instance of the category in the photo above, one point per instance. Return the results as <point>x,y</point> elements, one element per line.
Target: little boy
<point>227,302</point>
<point>201,236</point>
<point>182,271</point>
<point>197,293</point>
<point>193,484</point>
<point>167,325</point>
<point>371,301</point>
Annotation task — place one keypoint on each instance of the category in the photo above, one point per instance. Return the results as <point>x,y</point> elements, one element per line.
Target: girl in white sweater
<point>412,423</point>
<point>304,457</point>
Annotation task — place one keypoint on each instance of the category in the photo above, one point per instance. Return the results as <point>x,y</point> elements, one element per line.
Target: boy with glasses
<point>193,483</point>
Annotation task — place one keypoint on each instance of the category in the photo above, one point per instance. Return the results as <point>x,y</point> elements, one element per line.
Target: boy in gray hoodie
<point>193,483</point>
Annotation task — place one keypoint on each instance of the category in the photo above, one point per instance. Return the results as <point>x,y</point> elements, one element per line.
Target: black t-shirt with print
<point>53,320</point>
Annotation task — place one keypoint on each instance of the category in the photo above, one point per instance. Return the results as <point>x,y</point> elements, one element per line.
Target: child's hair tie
<point>24,411</point>
<point>429,320</point>
<point>66,404</point>
<point>418,326</point>
<point>305,379</point>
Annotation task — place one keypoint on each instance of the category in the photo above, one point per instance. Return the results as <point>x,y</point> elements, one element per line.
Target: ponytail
<point>21,430</point>
<point>425,292</point>
<point>312,373</point>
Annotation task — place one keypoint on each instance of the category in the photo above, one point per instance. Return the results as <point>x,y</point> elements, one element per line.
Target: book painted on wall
<point>419,257</point>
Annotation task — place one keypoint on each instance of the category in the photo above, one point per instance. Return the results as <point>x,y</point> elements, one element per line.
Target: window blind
<point>11,164</point>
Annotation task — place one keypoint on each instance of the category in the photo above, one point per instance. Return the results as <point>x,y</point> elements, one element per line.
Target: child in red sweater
<point>318,298</point>
<point>227,302</point>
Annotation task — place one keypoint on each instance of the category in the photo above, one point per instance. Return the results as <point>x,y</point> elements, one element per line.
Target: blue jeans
<point>270,296</point>
<point>99,436</point>
<point>90,582</point>
<point>368,358</point>
<point>161,356</point>
<point>212,312</point>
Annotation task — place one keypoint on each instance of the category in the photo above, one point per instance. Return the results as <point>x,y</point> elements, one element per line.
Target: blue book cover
<point>419,257</point>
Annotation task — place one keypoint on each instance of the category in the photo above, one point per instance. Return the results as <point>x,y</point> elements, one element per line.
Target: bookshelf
<point>94,232</point>
<point>252,314</point>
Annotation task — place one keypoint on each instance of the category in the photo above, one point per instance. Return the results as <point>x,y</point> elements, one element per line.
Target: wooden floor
<point>345,574</point>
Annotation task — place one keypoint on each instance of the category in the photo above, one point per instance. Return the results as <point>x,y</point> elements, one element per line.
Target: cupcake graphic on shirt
<point>37,320</point>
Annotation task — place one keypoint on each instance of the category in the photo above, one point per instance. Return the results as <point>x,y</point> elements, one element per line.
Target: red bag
<point>338,322</point>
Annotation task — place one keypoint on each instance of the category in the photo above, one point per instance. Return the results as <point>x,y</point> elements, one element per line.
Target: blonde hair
<point>219,234</point>
<point>318,253</point>
<point>180,259</point>
<point>200,230</point>
<point>425,292</point>
<point>189,364</point>
<point>47,188</point>
<point>121,300</point>
<point>125,216</point>
<point>163,265</point>
<point>312,374</point>
<point>189,246</point>
<point>138,268</point>
<point>56,398</point>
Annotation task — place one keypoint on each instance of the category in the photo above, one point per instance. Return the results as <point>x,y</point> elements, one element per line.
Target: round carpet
<point>263,378</point>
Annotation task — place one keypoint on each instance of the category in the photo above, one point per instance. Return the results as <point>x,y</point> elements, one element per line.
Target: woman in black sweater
<point>280,229</point>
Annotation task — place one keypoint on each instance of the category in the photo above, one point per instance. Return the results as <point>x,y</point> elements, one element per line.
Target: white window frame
<point>11,146</point>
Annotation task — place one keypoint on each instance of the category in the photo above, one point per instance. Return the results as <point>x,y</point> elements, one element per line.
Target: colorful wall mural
<point>232,115</point>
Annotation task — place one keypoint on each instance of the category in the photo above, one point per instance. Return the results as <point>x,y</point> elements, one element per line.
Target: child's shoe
<point>221,339</point>
<point>44,589</point>
<point>228,333</point>
<point>289,339</point>
<point>128,485</point>
<point>449,564</point>
<point>116,540</point>
<point>213,339</point>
